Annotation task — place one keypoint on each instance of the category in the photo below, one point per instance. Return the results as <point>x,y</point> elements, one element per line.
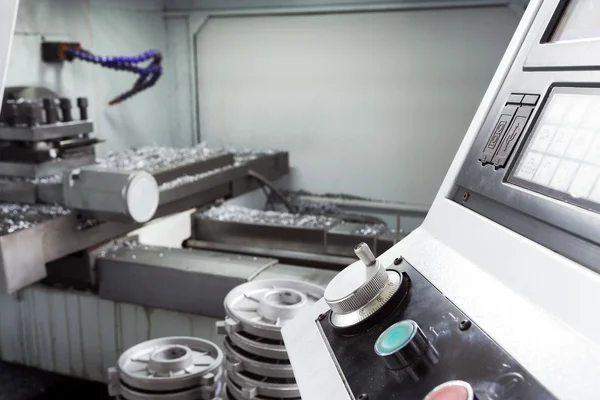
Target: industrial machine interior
<point>317,199</point>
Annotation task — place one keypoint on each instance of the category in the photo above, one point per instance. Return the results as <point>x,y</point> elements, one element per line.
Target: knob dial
<point>361,289</point>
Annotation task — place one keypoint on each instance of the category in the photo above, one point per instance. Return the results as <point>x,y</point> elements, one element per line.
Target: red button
<point>453,390</point>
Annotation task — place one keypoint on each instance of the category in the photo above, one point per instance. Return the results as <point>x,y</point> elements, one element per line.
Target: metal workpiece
<point>111,194</point>
<point>257,363</point>
<point>253,386</point>
<point>182,368</point>
<point>235,392</point>
<point>271,349</point>
<point>262,307</point>
<point>175,279</point>
<point>361,289</point>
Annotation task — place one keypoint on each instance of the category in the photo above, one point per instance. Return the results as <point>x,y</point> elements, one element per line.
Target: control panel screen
<point>561,156</point>
<point>580,21</point>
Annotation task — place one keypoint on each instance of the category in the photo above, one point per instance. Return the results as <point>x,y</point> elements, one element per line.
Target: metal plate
<point>52,132</point>
<point>29,170</point>
<point>174,279</point>
<point>262,307</point>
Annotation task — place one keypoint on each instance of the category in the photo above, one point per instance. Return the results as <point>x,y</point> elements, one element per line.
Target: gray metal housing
<point>533,302</point>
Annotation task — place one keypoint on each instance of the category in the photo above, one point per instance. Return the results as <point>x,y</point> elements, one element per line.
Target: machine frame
<point>8,20</point>
<point>536,304</point>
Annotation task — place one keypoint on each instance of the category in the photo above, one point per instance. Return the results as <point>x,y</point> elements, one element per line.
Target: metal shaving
<point>249,216</point>
<point>371,230</point>
<point>241,157</point>
<point>45,180</point>
<point>84,222</point>
<point>16,217</point>
<point>186,179</point>
<point>155,158</point>
<point>244,155</point>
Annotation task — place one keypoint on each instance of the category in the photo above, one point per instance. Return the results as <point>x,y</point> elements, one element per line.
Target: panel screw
<point>398,261</point>
<point>464,325</point>
<point>363,397</point>
<point>466,196</point>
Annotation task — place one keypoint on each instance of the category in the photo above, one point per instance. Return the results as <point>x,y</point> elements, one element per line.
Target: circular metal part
<point>170,364</point>
<point>270,348</point>
<point>258,365</point>
<point>361,289</point>
<point>379,299</point>
<point>262,307</point>
<point>234,392</point>
<point>197,393</point>
<point>452,390</point>
<point>255,385</point>
<point>142,196</point>
<point>402,344</point>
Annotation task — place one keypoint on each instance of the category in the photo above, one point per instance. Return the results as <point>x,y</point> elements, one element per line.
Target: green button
<point>395,337</point>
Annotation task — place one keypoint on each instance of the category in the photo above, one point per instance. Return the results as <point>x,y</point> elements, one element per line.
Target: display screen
<point>561,156</point>
<point>580,21</point>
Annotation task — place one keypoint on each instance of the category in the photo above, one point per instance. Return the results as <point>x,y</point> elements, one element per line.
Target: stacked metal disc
<point>256,362</point>
<point>174,368</point>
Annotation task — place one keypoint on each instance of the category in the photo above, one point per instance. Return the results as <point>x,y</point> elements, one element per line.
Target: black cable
<point>265,182</point>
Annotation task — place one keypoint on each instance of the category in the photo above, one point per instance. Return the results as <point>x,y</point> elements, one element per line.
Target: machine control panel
<point>421,346</point>
<point>508,129</point>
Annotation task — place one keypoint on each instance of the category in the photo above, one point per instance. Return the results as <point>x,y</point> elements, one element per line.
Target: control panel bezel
<point>564,227</point>
<point>546,55</point>
<point>512,178</point>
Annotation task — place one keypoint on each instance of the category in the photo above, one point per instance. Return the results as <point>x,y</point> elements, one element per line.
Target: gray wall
<point>373,104</point>
<point>107,27</point>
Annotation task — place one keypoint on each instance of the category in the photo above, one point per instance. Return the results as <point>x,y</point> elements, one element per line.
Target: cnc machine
<point>494,296</point>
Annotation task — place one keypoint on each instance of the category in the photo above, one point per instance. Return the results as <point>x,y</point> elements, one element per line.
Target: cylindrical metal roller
<point>120,195</point>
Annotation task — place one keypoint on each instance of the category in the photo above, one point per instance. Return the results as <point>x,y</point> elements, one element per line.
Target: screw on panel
<point>464,325</point>
<point>363,397</point>
<point>466,196</point>
<point>398,261</point>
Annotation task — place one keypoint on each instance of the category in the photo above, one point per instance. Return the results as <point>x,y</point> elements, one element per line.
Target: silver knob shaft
<point>360,289</point>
